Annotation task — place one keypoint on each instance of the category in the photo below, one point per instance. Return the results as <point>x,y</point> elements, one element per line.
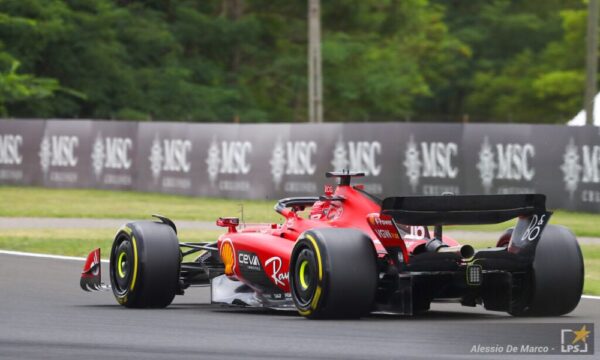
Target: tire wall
<point>268,161</point>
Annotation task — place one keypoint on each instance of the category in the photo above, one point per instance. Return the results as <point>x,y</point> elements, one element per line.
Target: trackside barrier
<point>267,161</point>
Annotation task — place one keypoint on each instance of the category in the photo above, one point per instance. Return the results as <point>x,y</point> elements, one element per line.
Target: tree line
<point>246,60</point>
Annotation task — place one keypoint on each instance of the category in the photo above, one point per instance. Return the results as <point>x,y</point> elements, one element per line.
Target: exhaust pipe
<point>465,251</point>
<point>437,245</point>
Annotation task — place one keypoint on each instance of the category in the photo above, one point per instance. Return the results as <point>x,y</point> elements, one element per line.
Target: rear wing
<point>475,210</point>
<point>462,209</point>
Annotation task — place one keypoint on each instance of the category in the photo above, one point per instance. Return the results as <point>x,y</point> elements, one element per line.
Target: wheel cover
<point>121,267</point>
<point>305,277</point>
<point>122,264</point>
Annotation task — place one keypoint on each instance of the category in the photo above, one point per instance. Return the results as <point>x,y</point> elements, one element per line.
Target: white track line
<point>44,256</point>
<point>60,257</point>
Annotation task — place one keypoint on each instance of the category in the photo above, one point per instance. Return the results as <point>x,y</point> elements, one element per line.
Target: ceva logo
<point>429,160</point>
<point>292,158</point>
<point>170,155</point>
<point>59,151</point>
<point>10,149</point>
<point>111,153</point>
<point>505,161</point>
<point>357,156</point>
<point>227,157</point>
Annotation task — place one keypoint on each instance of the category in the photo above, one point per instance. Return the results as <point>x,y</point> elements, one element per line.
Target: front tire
<point>556,281</point>
<point>333,273</point>
<point>144,265</point>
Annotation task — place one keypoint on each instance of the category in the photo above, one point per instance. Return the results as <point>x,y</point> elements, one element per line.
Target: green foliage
<point>527,63</point>
<point>246,60</point>
<point>16,87</point>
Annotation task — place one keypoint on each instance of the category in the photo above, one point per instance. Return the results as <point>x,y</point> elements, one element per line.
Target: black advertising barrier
<point>64,153</point>
<point>573,172</point>
<point>561,162</point>
<point>19,152</point>
<point>113,162</point>
<point>502,160</point>
<point>166,158</point>
<point>431,159</point>
<point>268,161</point>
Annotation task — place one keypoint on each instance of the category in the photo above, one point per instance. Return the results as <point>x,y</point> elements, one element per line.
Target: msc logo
<point>292,158</point>
<point>228,157</point>
<point>504,162</point>
<point>111,153</point>
<point>575,341</point>
<point>59,151</point>
<point>357,156</point>
<point>170,155</point>
<point>580,164</point>
<point>429,160</point>
<point>10,149</point>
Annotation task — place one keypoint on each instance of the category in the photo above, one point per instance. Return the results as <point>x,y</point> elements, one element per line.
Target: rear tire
<point>144,265</point>
<point>556,281</point>
<point>333,273</point>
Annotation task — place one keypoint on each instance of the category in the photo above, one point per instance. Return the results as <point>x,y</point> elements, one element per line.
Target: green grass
<point>42,202</point>
<point>77,242</point>
<point>591,258</point>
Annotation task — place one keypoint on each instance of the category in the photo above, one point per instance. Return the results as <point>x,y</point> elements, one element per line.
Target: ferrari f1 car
<point>350,254</point>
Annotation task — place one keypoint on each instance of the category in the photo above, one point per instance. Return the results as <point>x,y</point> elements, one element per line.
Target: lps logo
<point>292,158</point>
<point>273,265</point>
<point>169,155</point>
<point>228,157</point>
<point>575,341</point>
<point>430,160</point>
<point>59,151</point>
<point>580,164</point>
<point>10,149</point>
<point>111,153</point>
<point>357,156</point>
<point>504,162</point>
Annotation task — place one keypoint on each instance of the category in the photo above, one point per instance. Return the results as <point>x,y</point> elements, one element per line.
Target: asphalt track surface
<point>45,315</point>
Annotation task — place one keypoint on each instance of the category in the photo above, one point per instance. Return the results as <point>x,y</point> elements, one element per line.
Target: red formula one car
<point>352,254</point>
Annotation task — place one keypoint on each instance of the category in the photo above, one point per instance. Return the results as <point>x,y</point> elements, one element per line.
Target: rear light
<point>474,274</point>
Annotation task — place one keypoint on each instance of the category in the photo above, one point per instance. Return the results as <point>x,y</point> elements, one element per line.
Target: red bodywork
<point>272,244</point>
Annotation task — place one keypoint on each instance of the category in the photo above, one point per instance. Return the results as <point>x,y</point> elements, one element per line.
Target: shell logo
<point>228,257</point>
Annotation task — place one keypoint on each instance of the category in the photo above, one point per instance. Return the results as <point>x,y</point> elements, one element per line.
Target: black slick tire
<point>556,281</point>
<point>333,273</point>
<point>144,265</point>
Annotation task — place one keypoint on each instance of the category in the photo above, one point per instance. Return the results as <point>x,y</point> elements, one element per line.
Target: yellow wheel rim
<point>303,283</point>
<point>120,265</point>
